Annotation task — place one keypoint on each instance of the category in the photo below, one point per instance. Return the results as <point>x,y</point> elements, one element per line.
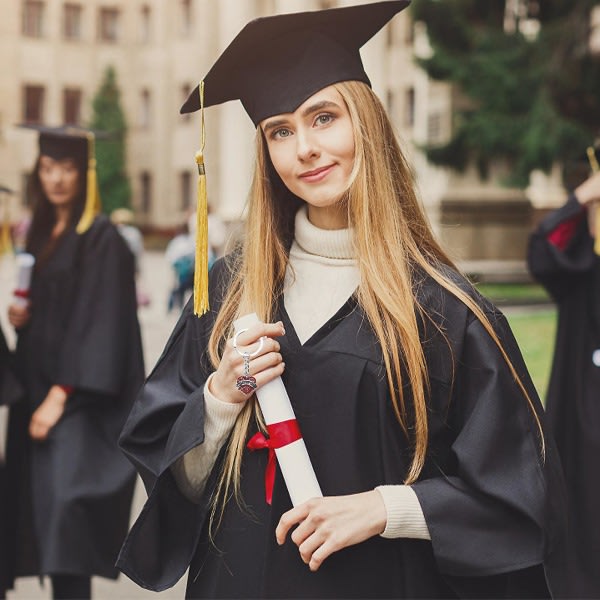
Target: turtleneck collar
<point>329,243</point>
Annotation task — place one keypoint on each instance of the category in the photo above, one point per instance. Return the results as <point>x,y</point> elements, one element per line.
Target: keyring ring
<point>261,343</point>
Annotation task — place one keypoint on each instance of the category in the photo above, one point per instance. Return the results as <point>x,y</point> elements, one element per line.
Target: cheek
<point>44,181</point>
<point>281,162</point>
<point>73,184</point>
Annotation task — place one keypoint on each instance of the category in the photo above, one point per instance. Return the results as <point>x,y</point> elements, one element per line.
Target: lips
<point>316,174</point>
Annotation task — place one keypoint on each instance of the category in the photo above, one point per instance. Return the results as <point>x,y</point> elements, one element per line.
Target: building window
<point>72,106</point>
<point>186,90</point>
<point>390,103</point>
<point>33,18</point>
<point>108,25</point>
<point>409,108</point>
<point>187,17</point>
<point>185,183</point>
<point>72,21</point>
<point>33,104</point>
<point>146,192</point>
<point>145,24</point>
<point>434,128</point>
<point>595,30</point>
<point>145,113</point>
<point>26,199</point>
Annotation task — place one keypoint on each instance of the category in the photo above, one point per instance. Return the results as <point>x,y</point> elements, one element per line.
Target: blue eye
<point>281,133</point>
<point>324,119</point>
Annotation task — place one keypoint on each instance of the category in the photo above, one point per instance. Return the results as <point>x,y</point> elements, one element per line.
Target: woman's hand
<point>48,413</point>
<point>326,525</point>
<point>18,316</point>
<point>264,367</point>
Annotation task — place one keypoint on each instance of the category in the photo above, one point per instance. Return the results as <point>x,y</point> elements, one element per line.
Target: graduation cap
<point>5,240</point>
<point>272,66</point>
<point>69,141</point>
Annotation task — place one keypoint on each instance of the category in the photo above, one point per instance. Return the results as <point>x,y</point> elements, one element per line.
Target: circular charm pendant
<point>246,384</point>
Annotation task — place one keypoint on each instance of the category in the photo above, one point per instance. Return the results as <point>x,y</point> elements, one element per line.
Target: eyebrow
<point>313,108</point>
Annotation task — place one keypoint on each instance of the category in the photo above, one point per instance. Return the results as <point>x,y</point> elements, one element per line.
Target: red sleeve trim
<point>68,389</point>
<point>563,233</point>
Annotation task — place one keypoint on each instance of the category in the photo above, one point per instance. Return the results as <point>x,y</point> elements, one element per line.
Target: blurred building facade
<point>55,53</point>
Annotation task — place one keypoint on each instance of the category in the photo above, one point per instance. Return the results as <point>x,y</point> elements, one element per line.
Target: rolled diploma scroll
<point>25,264</point>
<point>293,459</point>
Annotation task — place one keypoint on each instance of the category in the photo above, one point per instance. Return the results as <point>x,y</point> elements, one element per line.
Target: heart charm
<point>246,384</point>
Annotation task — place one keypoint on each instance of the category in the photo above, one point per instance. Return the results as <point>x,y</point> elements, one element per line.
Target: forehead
<point>328,94</point>
<point>49,160</point>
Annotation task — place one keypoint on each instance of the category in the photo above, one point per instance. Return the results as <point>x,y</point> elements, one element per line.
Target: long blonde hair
<point>391,237</point>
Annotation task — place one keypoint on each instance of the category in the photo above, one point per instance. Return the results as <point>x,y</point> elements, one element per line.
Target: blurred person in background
<point>123,219</point>
<point>564,257</point>
<point>79,353</point>
<point>180,253</point>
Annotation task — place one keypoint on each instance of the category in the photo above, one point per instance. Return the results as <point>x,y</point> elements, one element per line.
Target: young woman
<point>80,355</point>
<point>563,259</point>
<point>422,425</point>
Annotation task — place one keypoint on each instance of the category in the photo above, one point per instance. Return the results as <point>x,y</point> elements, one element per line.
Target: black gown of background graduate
<point>492,507</point>
<point>75,488</point>
<point>10,392</point>
<point>562,258</point>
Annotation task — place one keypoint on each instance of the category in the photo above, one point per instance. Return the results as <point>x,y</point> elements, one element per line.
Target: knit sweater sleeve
<point>191,471</point>
<point>405,517</point>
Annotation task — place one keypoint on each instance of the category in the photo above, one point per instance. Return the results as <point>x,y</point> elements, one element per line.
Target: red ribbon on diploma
<point>21,293</point>
<point>280,434</point>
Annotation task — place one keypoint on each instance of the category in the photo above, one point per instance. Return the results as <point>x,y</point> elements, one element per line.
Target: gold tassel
<point>591,153</point>
<point>92,198</point>
<point>201,304</point>
<point>6,245</point>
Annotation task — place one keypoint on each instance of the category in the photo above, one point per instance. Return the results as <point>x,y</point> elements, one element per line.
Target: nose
<point>56,175</point>
<point>306,147</point>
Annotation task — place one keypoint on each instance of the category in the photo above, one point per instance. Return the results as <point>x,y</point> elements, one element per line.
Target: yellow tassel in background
<point>591,153</point>
<point>5,239</point>
<point>201,304</point>
<point>92,199</point>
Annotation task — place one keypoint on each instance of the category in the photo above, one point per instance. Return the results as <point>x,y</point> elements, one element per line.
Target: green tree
<point>528,100</point>
<point>108,117</point>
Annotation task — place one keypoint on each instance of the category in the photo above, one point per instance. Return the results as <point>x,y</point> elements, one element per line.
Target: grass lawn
<point>535,331</point>
<point>534,328</point>
<point>504,294</point>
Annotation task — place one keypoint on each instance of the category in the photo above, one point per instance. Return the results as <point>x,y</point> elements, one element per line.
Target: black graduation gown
<point>75,489</point>
<point>572,276</point>
<point>10,392</point>
<point>492,507</point>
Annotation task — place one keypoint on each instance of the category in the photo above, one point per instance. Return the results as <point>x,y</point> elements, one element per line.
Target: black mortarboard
<point>67,141</point>
<point>275,63</point>
<point>70,141</point>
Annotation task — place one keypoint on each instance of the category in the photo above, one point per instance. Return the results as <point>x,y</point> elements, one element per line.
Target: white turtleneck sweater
<point>321,275</point>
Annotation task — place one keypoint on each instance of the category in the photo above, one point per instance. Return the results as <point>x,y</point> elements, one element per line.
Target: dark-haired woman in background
<point>79,351</point>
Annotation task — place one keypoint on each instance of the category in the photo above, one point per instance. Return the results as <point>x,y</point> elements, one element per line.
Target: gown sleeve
<point>500,508</point>
<point>166,422</point>
<point>561,249</point>
<point>10,388</point>
<point>102,330</point>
